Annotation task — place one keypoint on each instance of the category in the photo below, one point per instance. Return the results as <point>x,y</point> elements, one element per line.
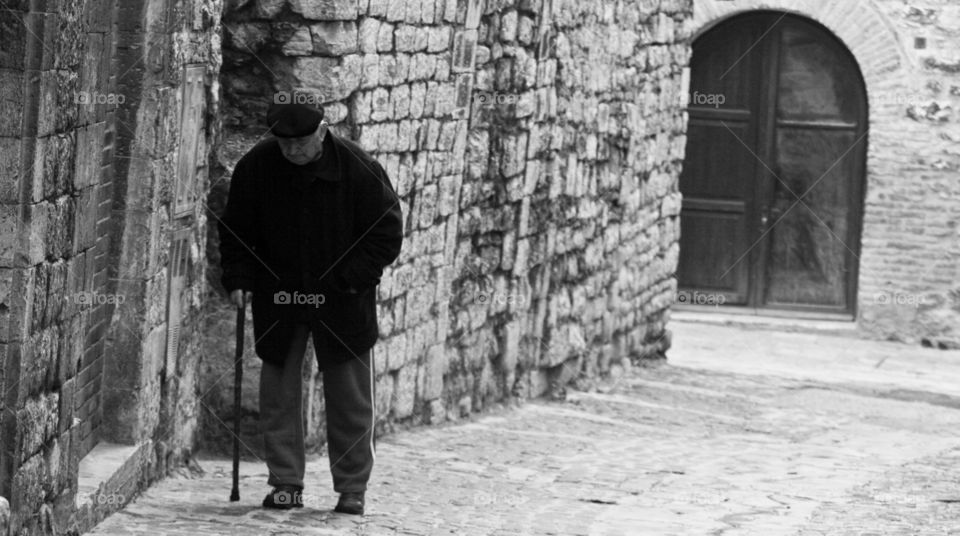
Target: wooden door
<point>773,177</point>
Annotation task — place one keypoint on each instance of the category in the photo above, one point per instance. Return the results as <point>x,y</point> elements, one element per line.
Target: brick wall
<point>909,282</point>
<point>55,243</point>
<point>536,147</point>
<point>90,130</point>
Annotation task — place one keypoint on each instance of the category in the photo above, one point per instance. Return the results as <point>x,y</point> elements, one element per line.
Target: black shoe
<point>350,502</point>
<point>284,498</point>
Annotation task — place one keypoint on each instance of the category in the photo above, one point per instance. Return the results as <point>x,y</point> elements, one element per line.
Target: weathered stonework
<point>909,280</point>
<point>536,148</point>
<point>90,136</point>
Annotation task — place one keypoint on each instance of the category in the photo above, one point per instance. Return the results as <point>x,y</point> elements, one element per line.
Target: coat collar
<point>334,145</point>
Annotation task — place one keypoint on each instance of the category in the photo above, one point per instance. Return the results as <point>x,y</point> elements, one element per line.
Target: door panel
<point>716,170</point>
<point>809,256</point>
<point>716,237</point>
<point>718,72</point>
<point>772,180</point>
<point>816,81</point>
<point>715,218</point>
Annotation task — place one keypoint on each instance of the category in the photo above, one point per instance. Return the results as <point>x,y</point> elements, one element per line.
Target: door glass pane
<point>723,68</point>
<point>817,81</point>
<point>810,246</point>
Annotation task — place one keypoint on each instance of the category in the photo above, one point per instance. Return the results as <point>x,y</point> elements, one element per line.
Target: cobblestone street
<point>742,432</point>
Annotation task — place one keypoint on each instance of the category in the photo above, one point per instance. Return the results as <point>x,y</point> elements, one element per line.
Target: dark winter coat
<point>325,231</point>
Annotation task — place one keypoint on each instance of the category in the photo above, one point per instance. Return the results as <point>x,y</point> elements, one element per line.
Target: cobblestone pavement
<point>755,433</point>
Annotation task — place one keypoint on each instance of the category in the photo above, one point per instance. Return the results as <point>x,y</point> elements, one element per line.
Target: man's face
<point>304,149</point>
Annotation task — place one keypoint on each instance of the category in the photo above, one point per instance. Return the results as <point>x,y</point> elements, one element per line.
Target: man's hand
<point>240,298</point>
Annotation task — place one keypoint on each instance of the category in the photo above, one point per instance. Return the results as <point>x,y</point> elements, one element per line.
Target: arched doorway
<point>773,181</point>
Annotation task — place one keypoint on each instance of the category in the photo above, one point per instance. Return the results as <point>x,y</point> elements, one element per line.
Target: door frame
<point>769,50</point>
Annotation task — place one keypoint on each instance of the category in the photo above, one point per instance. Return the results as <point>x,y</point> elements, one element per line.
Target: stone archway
<point>887,66</point>
<point>872,40</point>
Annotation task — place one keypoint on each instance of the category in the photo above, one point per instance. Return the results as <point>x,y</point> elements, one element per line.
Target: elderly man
<point>311,221</point>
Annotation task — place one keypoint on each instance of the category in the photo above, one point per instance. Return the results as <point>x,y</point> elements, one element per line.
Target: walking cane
<point>238,376</point>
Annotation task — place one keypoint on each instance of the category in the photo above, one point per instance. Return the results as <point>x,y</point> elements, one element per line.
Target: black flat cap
<point>293,120</point>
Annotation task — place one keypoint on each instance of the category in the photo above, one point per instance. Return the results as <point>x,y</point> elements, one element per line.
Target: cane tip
<point>234,496</point>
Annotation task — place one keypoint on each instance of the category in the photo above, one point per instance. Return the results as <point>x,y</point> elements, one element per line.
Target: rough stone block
<point>37,423</point>
<point>408,38</point>
<point>335,79</point>
<point>368,35</point>
<point>378,8</point>
<point>29,480</point>
<point>428,10</point>
<point>434,369</point>
<point>407,135</point>
<point>11,106</point>
<point>438,38</point>
<point>381,105</point>
<point>514,149</point>
<point>299,44</point>
<point>400,101</point>
<point>335,38</point>
<point>393,69</point>
<point>389,138</point>
<point>371,71</point>
<point>369,138</point>
<point>85,221</point>
<point>418,92</point>
<point>508,26</point>
<point>464,50</point>
<point>396,10</point>
<point>268,9</point>
<point>426,206</point>
<point>326,9</point>
<point>385,37</point>
<point>88,158</point>
<point>247,37</point>
<point>470,16</point>
<point>10,169</point>
<point>449,194</point>
<point>423,66</point>
<point>9,221</point>
<point>405,389</point>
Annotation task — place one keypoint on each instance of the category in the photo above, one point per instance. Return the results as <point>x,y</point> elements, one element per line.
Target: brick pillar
<point>131,222</point>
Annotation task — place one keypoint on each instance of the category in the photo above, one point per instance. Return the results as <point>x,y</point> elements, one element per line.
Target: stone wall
<point>536,147</point>
<point>910,274</point>
<point>89,129</point>
<point>909,281</point>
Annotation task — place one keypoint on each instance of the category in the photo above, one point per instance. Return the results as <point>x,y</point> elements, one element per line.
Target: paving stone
<point>738,443</point>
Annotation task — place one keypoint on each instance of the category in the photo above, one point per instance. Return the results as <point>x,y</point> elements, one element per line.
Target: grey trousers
<point>348,391</point>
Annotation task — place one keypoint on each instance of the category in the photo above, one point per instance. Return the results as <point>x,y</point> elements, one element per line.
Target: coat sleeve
<point>380,227</point>
<point>236,228</point>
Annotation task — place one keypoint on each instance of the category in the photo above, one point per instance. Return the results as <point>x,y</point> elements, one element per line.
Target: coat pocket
<point>348,313</point>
